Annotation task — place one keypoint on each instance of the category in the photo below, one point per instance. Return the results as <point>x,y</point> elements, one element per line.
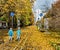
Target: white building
<point>37,15</point>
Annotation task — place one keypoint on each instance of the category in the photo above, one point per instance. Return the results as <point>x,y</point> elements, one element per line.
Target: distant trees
<point>21,8</point>
<point>54,17</point>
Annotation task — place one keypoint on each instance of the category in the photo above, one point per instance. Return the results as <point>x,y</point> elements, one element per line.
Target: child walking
<point>10,34</point>
<point>18,33</point>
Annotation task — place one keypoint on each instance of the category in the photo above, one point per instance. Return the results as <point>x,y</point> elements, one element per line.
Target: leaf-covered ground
<point>37,40</point>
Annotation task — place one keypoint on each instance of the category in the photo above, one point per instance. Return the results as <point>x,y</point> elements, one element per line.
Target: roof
<point>2,21</point>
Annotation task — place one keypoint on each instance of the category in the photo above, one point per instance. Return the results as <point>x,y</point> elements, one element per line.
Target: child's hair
<point>18,27</point>
<point>10,28</point>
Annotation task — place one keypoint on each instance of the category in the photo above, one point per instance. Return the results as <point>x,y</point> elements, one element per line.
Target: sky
<point>42,4</point>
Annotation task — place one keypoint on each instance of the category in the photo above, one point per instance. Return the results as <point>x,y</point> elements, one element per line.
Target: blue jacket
<point>18,32</point>
<point>10,32</point>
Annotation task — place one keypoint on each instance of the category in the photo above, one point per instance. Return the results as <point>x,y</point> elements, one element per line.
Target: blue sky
<point>42,4</point>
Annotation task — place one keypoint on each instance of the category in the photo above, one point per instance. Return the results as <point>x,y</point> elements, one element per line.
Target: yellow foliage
<point>37,39</point>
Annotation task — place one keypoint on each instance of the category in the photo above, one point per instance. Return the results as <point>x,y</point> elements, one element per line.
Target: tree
<point>54,15</point>
<point>19,7</point>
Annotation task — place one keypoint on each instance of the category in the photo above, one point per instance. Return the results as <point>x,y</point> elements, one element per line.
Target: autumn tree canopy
<point>54,16</point>
<point>21,8</point>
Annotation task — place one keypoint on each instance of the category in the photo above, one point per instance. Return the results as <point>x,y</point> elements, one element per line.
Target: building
<point>38,15</point>
<point>3,24</point>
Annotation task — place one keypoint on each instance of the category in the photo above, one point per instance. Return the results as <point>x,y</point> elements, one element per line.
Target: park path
<point>36,41</point>
<point>40,40</point>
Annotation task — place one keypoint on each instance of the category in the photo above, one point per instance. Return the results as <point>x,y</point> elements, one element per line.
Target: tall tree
<point>19,7</point>
<point>54,15</point>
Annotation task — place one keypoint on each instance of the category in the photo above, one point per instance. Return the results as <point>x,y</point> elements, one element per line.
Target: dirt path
<point>37,40</point>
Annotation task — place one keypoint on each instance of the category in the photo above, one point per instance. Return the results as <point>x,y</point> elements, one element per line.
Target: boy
<point>10,34</point>
<point>18,33</point>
